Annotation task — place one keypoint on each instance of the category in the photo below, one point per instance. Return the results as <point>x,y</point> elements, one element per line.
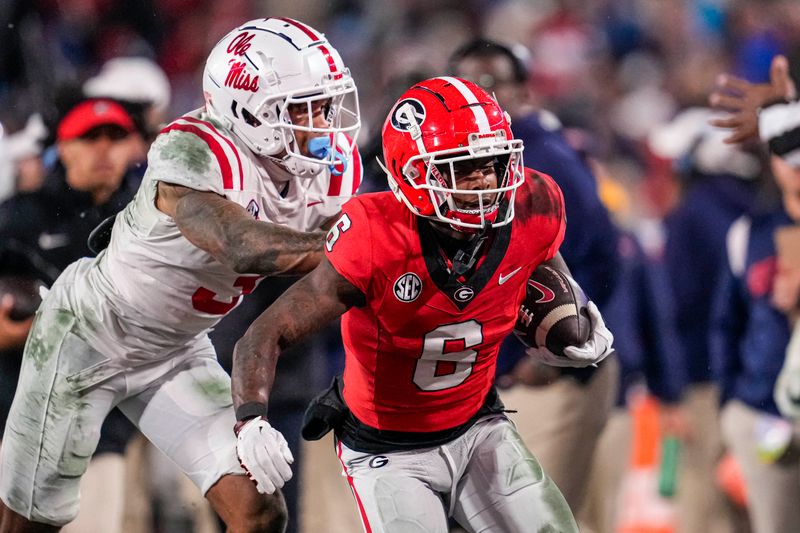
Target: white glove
<point>787,387</point>
<point>264,454</point>
<point>597,348</point>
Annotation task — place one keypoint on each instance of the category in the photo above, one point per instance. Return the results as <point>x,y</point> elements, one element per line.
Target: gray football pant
<point>486,479</point>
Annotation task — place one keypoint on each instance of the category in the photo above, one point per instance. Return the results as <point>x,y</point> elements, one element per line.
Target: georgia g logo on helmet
<point>400,116</point>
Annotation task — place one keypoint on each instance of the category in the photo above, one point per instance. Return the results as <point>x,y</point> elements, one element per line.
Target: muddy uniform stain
<point>61,406</point>
<point>46,336</point>
<point>216,390</point>
<point>185,149</point>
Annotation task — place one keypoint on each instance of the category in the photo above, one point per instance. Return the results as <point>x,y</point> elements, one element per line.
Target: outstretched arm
<point>228,232</point>
<point>743,100</point>
<point>308,305</point>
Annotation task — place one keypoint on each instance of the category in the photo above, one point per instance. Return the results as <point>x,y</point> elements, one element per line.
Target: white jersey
<point>156,288</point>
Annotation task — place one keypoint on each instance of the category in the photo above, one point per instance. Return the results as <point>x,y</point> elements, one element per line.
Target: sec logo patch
<point>407,287</point>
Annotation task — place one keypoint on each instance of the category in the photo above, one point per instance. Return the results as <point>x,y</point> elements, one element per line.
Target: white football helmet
<point>262,67</point>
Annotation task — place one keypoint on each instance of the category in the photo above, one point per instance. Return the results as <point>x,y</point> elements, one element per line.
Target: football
<point>25,292</point>
<point>553,313</point>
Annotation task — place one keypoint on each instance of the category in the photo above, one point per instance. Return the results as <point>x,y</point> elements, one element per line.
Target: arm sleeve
<point>349,245</point>
<point>779,127</point>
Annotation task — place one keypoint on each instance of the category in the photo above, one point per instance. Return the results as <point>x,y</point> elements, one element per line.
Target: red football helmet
<point>447,121</point>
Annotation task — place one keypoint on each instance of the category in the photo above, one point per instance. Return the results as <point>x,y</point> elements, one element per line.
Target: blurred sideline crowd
<point>687,240</point>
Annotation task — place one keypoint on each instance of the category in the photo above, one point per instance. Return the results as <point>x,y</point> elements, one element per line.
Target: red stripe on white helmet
<point>331,61</point>
<point>302,27</point>
<point>315,38</point>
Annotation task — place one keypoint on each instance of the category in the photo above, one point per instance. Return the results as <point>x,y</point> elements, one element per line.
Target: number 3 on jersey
<point>447,359</point>
<point>205,300</point>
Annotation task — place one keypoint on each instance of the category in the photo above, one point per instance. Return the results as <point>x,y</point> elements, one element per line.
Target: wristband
<point>251,410</point>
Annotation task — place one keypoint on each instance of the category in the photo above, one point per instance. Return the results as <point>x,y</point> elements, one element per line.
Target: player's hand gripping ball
<point>559,324</point>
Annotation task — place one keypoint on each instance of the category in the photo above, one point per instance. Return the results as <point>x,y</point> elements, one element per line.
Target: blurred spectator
<point>24,150</point>
<point>778,125</point>
<point>136,80</point>
<point>140,85</point>
<point>641,316</point>
<point>89,184</point>
<point>764,445</point>
<point>720,184</point>
<point>750,334</point>
<point>787,387</point>
<point>563,445</point>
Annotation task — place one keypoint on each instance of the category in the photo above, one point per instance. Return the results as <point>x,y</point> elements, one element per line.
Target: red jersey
<point>420,356</point>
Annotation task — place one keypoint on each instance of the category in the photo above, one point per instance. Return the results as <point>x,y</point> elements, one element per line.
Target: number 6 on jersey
<point>446,359</point>
<point>342,225</point>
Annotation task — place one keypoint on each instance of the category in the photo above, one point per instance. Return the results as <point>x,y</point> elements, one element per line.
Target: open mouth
<point>473,205</point>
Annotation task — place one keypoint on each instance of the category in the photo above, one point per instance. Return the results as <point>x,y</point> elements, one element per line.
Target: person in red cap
<point>92,145</point>
<point>41,233</point>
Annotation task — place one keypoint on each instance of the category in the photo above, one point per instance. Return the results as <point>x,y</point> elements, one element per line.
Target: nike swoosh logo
<point>547,294</point>
<point>309,204</point>
<point>48,241</point>
<point>505,278</point>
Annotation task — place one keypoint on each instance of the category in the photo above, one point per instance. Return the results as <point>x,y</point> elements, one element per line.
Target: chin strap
<point>464,260</point>
<point>294,167</point>
<point>300,167</point>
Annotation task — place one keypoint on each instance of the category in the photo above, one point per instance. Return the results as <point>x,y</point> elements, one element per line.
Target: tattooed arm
<point>308,305</point>
<point>226,231</point>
